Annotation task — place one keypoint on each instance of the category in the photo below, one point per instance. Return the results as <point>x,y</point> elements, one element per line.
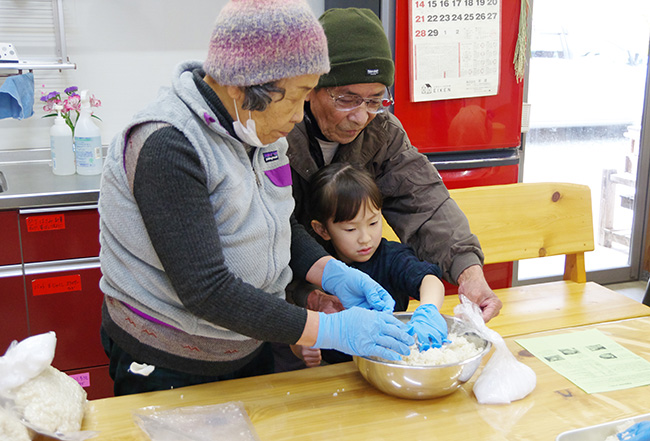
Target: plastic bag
<point>227,421</point>
<point>11,428</point>
<point>504,379</point>
<point>25,360</point>
<point>29,386</point>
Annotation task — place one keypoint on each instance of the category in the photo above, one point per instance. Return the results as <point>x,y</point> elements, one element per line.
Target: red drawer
<point>13,311</point>
<point>476,177</point>
<point>9,238</point>
<point>65,298</point>
<point>58,234</point>
<point>497,275</point>
<point>96,381</point>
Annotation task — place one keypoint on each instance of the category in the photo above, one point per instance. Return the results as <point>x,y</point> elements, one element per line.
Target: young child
<point>346,211</point>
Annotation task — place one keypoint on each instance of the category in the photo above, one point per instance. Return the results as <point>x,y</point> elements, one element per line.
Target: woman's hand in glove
<point>359,331</point>
<point>639,432</point>
<point>355,288</point>
<point>429,326</point>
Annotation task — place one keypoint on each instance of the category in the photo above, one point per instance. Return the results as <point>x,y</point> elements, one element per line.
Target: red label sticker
<point>47,222</point>
<point>83,379</point>
<point>54,285</point>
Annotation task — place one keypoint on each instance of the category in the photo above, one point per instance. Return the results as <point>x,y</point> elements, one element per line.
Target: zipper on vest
<point>252,152</point>
<point>257,178</point>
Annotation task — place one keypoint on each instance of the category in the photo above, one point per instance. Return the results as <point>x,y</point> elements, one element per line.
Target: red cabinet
<point>13,312</point>
<point>95,380</point>
<point>54,286</point>
<point>57,234</point>
<point>498,275</point>
<point>9,238</point>
<point>64,297</point>
<point>476,177</point>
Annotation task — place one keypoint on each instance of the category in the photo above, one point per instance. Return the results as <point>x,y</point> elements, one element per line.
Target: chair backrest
<point>528,220</point>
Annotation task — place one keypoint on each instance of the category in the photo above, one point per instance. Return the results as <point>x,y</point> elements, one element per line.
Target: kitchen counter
<point>31,183</point>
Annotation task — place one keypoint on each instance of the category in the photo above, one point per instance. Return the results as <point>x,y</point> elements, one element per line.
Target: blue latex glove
<point>355,288</point>
<point>639,432</point>
<point>429,327</point>
<point>359,331</point>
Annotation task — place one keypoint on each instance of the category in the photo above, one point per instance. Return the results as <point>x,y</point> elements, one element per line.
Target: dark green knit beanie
<point>358,48</point>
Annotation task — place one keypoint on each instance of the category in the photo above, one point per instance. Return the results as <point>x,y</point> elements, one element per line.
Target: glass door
<point>586,85</point>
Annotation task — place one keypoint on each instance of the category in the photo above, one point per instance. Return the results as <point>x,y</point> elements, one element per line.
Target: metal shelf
<point>56,62</point>
<point>34,65</point>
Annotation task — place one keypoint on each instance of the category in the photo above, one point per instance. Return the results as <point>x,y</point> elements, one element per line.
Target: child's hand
<point>429,326</point>
<point>311,356</point>
<point>320,301</point>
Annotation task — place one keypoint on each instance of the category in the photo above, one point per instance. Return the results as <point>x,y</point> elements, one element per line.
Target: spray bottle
<point>61,145</point>
<point>87,141</point>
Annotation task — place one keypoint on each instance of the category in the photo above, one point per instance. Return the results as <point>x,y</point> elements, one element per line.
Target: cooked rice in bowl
<point>458,350</point>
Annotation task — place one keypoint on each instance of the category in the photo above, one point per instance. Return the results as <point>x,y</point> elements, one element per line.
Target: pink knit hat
<point>258,41</point>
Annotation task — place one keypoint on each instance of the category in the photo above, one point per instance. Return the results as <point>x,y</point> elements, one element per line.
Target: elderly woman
<point>198,243</point>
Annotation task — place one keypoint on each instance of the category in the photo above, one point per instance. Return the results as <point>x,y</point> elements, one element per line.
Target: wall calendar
<point>454,48</point>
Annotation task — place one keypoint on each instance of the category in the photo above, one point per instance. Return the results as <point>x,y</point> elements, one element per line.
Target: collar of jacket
<point>361,150</point>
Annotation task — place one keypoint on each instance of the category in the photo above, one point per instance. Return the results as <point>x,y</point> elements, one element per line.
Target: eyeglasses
<point>351,102</point>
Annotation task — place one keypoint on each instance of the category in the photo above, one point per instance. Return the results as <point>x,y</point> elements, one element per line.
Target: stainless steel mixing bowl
<point>422,382</point>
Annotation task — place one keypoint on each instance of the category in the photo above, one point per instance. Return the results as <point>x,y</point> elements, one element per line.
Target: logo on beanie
<point>372,72</point>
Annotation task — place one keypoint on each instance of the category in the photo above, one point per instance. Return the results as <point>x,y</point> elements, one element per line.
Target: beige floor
<point>634,290</point>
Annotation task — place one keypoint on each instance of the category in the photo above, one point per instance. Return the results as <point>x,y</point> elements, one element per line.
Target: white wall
<point>125,51</point>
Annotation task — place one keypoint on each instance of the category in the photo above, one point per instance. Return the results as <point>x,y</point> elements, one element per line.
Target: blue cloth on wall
<point>17,96</point>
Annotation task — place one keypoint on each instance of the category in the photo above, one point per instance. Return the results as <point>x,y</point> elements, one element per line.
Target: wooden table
<point>555,305</point>
<point>335,402</point>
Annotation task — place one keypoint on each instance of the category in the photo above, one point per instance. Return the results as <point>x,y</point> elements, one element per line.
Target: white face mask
<point>247,134</point>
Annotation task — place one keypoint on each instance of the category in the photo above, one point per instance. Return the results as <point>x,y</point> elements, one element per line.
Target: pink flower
<point>73,102</point>
<point>49,106</point>
<point>71,105</point>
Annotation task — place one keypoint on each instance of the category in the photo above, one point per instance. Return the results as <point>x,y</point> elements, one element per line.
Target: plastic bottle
<point>87,141</point>
<point>61,145</point>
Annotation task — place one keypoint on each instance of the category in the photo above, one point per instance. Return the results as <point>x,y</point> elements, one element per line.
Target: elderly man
<point>347,120</point>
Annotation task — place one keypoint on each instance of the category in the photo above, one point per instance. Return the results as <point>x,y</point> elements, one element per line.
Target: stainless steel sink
<point>3,182</point>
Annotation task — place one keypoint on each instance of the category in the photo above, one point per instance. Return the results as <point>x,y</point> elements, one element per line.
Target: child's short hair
<point>338,191</point>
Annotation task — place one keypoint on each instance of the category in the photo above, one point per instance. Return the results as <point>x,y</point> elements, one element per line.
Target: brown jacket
<point>416,202</point>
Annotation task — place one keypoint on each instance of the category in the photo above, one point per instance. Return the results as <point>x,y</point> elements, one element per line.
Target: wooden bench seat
<point>530,220</point>
<point>524,221</point>
<point>533,220</point>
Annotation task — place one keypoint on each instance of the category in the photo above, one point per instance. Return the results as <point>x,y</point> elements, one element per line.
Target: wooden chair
<point>529,220</point>
<point>524,221</point>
